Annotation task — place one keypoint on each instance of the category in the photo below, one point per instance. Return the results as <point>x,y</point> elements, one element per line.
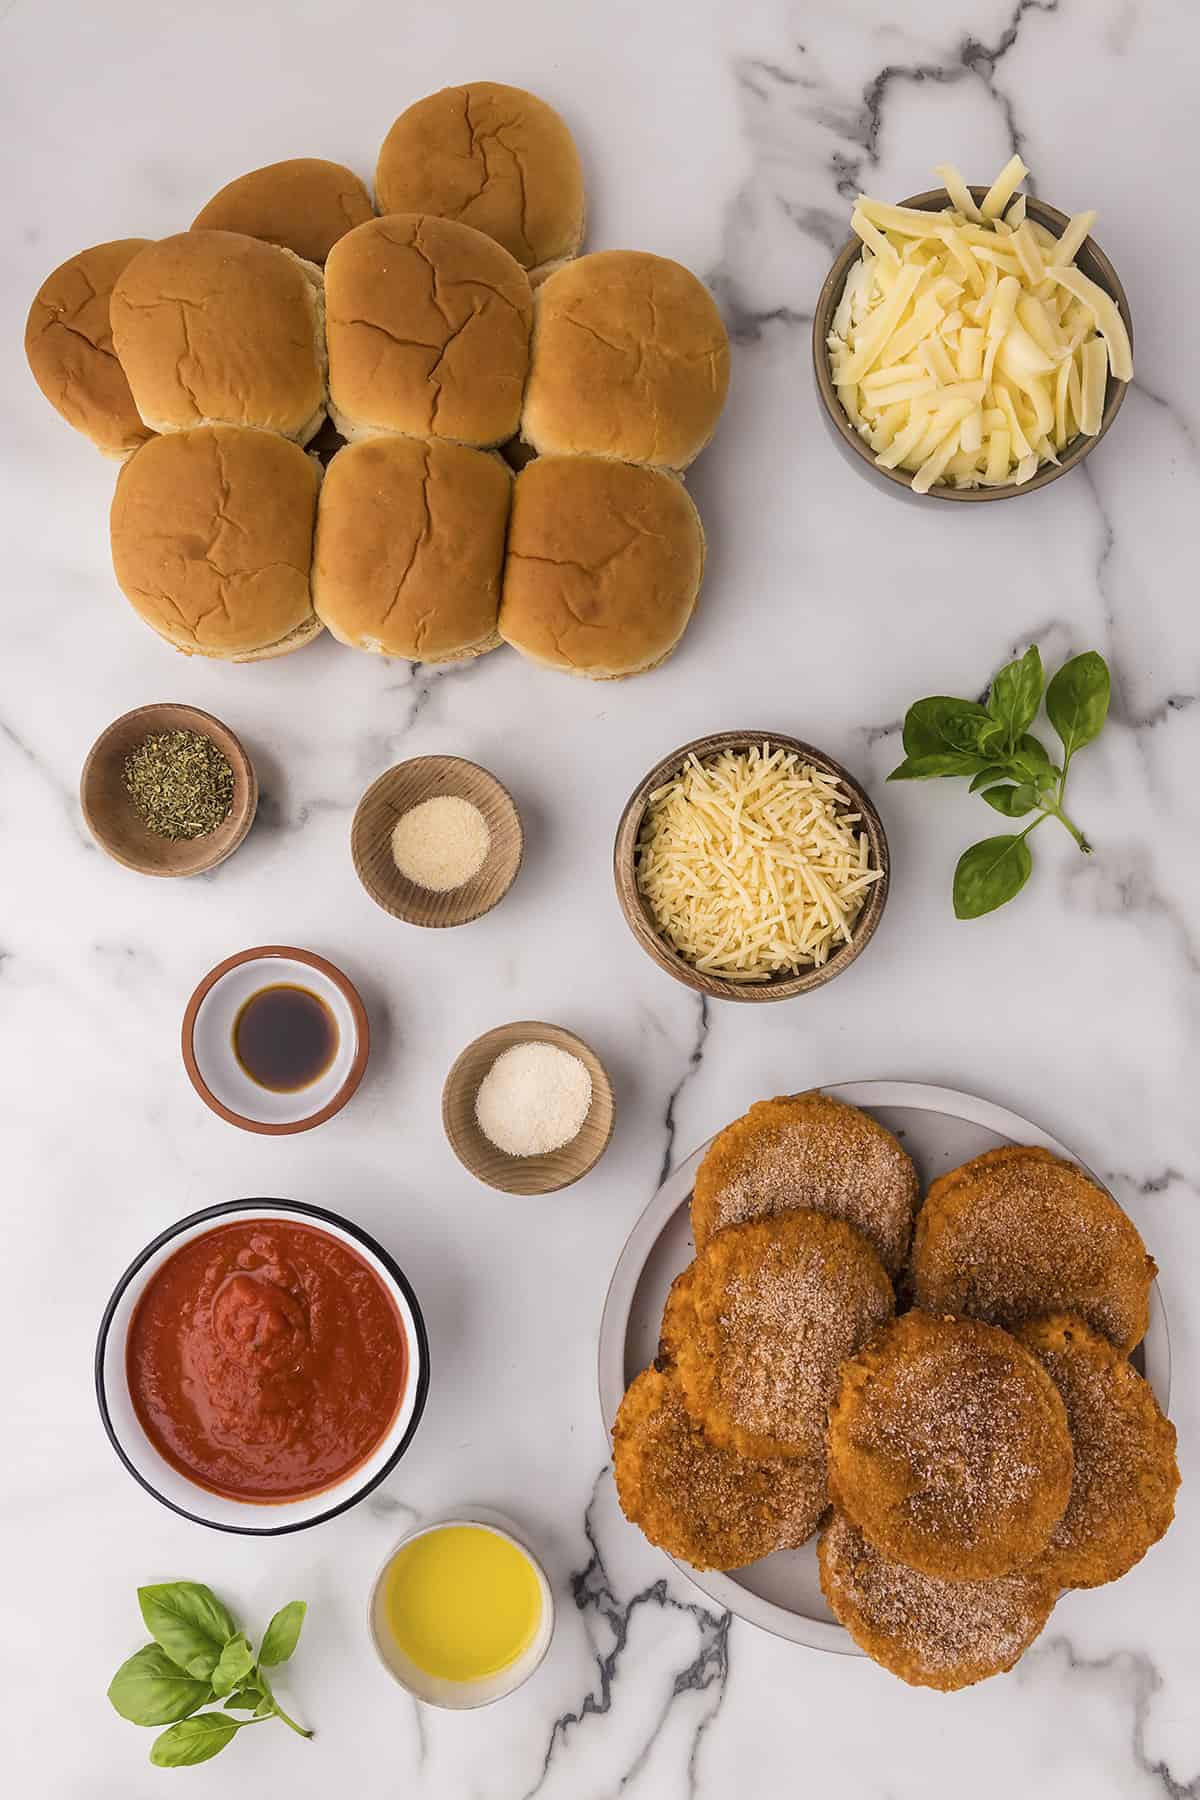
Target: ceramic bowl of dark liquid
<point>275,1040</point>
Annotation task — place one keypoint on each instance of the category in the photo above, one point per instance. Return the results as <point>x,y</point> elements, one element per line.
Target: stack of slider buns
<point>452,340</point>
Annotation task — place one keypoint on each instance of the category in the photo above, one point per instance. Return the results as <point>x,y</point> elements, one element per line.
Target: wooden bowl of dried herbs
<point>168,790</point>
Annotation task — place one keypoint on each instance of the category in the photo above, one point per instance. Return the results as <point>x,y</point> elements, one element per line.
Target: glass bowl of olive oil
<point>462,1612</point>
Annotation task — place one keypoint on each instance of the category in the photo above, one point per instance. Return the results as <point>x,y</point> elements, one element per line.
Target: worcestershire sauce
<point>285,1037</point>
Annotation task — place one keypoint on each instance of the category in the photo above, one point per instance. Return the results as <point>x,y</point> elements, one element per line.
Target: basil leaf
<point>940,762</point>
<point>993,772</point>
<point>1013,802</point>
<point>1031,761</point>
<point>1016,694</point>
<point>283,1633</point>
<point>990,873</point>
<point>189,1622</point>
<point>265,1708</point>
<point>150,1689</point>
<point>235,1663</point>
<point>990,740</point>
<point>1077,700</point>
<point>194,1740</point>
<point>246,1699</point>
<point>942,723</point>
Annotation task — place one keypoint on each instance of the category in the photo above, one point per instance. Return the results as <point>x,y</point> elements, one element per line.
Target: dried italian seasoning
<point>180,784</point>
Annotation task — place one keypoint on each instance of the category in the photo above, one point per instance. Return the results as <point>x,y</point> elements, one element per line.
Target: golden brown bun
<point>493,157</point>
<point>409,548</point>
<point>68,341</point>
<point>604,565</point>
<point>212,541</point>
<point>304,204</point>
<point>213,327</point>
<point>428,326</point>
<point>630,359</point>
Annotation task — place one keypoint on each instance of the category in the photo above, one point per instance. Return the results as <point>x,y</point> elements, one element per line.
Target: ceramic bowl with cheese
<point>708,907</point>
<point>942,354</point>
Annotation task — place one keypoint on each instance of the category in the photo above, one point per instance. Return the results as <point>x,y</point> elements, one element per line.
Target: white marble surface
<point>731,137</point>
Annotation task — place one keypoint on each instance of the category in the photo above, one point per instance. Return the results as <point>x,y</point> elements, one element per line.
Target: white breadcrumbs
<point>533,1099</point>
<point>441,843</point>
<point>751,863</point>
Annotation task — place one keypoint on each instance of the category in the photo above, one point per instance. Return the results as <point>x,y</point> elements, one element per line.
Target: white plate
<point>940,1129</point>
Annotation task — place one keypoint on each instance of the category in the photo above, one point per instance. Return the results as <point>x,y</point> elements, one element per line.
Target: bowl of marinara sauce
<point>261,1366</point>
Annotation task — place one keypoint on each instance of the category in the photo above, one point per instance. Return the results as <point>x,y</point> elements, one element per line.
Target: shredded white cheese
<point>966,347</point>
<point>751,864</point>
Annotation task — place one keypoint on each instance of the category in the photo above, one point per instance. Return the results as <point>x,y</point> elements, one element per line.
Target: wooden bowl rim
<point>1079,447</point>
<point>362,1035</point>
<point>396,909</point>
<point>778,987</point>
<point>503,1037</point>
<point>244,805</point>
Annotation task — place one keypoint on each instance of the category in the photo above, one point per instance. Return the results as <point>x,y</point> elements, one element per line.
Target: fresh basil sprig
<point>199,1655</point>
<point>1012,769</point>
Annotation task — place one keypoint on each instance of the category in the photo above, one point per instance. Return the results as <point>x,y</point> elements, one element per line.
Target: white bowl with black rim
<point>254,1518</point>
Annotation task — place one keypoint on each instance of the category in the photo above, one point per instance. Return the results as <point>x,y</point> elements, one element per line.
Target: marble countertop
<point>732,138</point>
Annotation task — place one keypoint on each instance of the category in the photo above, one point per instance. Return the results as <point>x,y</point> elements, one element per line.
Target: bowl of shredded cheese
<point>751,866</point>
<point>971,343</point>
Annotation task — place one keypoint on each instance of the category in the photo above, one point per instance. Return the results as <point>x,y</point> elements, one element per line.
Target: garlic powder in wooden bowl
<point>752,864</point>
<point>441,843</point>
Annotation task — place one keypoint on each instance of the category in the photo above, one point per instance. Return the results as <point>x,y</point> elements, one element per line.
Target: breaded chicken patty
<point>1024,1237</point>
<point>949,1448</point>
<point>773,1309</point>
<point>1126,1476</point>
<point>930,1632</point>
<point>703,1503</point>
<point>811,1152</point>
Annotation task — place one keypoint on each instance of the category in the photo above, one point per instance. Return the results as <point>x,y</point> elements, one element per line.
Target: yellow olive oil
<point>462,1602</point>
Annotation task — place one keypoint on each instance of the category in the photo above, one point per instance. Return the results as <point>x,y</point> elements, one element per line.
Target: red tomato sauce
<point>266,1360</point>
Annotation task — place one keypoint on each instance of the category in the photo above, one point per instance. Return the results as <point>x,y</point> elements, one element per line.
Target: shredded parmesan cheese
<point>751,864</point>
<point>966,347</point>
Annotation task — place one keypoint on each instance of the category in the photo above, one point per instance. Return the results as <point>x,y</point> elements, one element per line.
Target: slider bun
<point>68,341</point>
<point>410,544</point>
<point>304,204</point>
<point>604,565</point>
<point>630,359</point>
<point>212,541</point>
<point>213,327</point>
<point>428,327</point>
<point>493,157</point>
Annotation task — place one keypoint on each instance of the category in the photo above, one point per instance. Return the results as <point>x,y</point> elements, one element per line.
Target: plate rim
<point>819,1634</point>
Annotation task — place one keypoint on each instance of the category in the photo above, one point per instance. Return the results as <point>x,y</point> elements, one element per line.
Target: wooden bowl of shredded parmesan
<point>751,866</point>
<point>971,343</point>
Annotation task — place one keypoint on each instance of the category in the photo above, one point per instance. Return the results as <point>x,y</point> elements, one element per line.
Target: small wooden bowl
<point>110,816</point>
<point>1090,259</point>
<point>637,913</point>
<point>397,792</point>
<point>524,1174</point>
